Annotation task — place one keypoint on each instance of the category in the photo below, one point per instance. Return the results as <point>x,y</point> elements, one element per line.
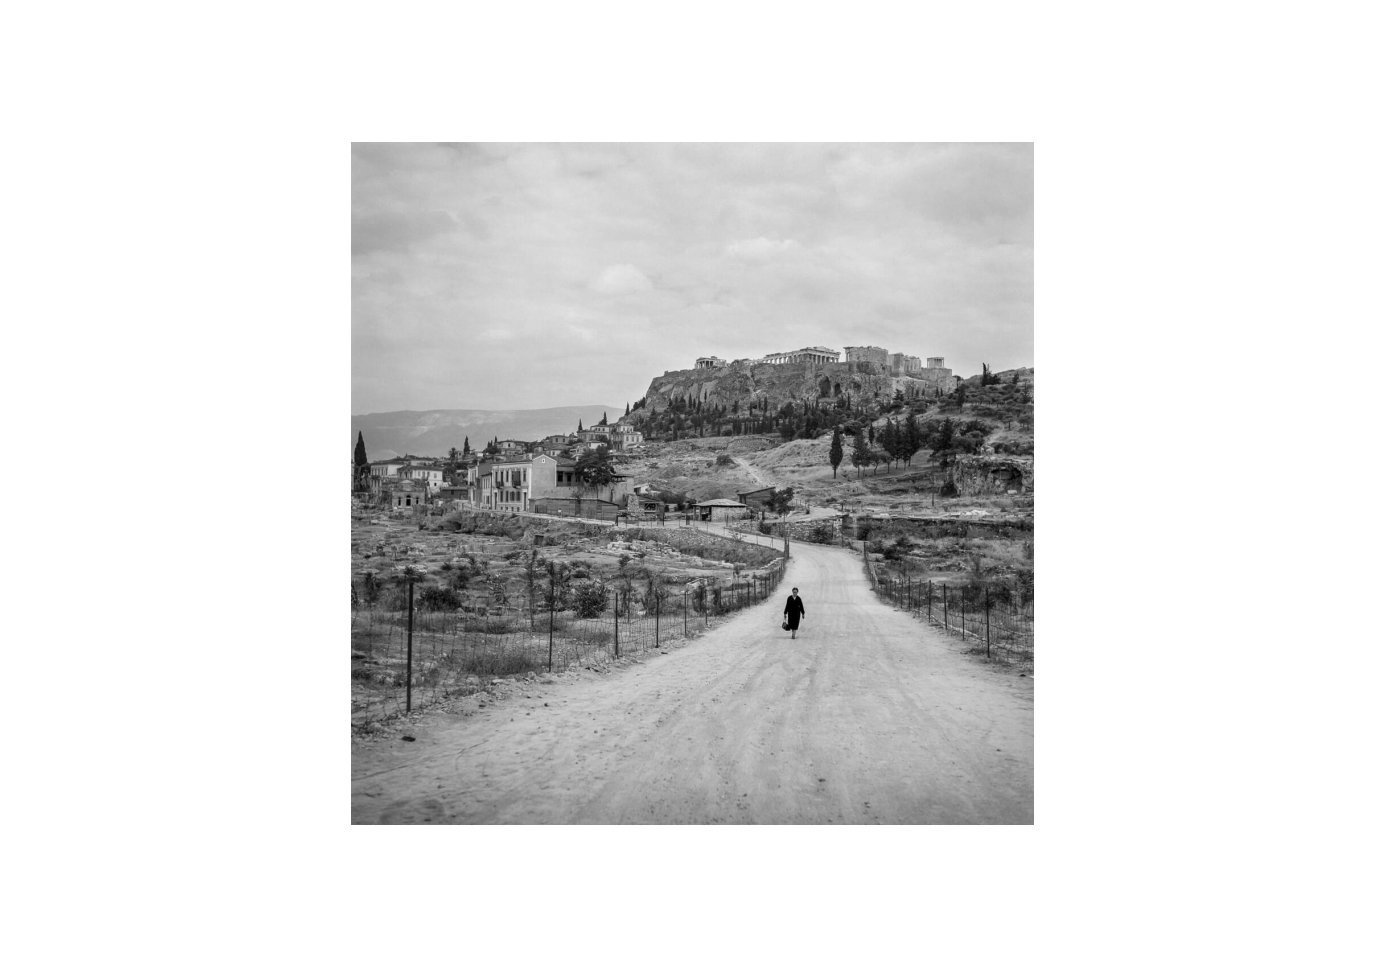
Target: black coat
<point>793,608</point>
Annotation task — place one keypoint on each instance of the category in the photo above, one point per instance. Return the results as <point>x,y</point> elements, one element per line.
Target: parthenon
<point>808,354</point>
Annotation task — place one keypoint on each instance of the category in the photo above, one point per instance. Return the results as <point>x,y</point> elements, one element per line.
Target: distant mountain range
<point>431,433</point>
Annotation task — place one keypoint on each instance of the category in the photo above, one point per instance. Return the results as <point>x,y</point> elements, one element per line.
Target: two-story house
<point>624,437</point>
<point>509,485</point>
<point>551,477</point>
<point>554,444</point>
<point>430,475</point>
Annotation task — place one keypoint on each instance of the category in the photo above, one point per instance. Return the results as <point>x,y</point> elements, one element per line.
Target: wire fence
<point>1001,626</point>
<point>407,658</point>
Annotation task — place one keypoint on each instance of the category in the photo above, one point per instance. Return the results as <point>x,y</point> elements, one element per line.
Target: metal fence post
<point>616,622</point>
<point>409,655</point>
<point>945,608</point>
<point>658,596</point>
<point>929,599</point>
<point>988,607</point>
<point>550,617</point>
<point>685,613</point>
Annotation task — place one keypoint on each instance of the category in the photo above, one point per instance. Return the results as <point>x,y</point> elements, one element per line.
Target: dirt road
<point>868,717</point>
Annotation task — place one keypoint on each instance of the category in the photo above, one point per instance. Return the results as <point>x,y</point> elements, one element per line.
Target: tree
<point>627,408</point>
<point>466,446</point>
<point>888,440</point>
<point>579,425</point>
<point>779,499</point>
<point>595,469</point>
<point>910,441</point>
<point>835,451</point>
<point>534,565</point>
<point>860,452</point>
<point>363,467</point>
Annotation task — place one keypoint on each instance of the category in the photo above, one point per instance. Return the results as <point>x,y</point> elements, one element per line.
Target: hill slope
<point>433,432</point>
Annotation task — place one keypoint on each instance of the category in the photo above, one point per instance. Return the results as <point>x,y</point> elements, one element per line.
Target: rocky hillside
<point>1024,375</point>
<point>744,383</point>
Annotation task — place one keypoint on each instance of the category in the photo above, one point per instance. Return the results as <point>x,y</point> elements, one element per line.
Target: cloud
<point>760,249</point>
<point>621,279</point>
<point>396,231</point>
<point>464,254</point>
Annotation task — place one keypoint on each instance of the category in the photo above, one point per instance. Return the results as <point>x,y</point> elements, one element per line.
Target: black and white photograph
<point>701,589</point>
<point>692,483</point>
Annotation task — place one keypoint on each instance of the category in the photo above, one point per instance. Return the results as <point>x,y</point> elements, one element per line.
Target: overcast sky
<point>506,277</point>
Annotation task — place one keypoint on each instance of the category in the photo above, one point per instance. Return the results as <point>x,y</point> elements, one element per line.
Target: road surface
<point>868,717</point>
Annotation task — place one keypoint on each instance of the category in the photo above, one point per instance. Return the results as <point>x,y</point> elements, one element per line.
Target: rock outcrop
<point>747,382</point>
<point>992,474</point>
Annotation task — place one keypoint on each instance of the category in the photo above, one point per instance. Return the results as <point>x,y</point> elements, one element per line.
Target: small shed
<point>721,509</point>
<point>758,500</point>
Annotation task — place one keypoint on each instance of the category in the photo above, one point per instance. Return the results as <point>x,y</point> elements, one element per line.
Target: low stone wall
<point>979,527</point>
<point>800,529</point>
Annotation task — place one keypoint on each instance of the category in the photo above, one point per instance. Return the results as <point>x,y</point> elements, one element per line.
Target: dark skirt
<point>793,620</point>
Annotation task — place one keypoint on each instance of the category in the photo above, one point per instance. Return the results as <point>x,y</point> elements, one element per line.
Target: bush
<point>725,460</point>
<point>436,598</point>
<point>823,533</point>
<point>589,598</point>
<point>896,549</point>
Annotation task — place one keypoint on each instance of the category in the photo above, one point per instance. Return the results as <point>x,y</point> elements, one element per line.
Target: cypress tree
<point>466,446</point>
<point>835,451</point>
<point>359,458</point>
<point>912,440</point>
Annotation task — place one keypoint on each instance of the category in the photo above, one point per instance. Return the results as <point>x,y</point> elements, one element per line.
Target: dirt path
<point>868,717</point>
<point>756,473</point>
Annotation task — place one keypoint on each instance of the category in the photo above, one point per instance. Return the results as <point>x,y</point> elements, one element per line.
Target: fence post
<point>963,624</point>
<point>550,616</point>
<point>409,655</point>
<point>616,622</point>
<point>929,599</point>
<point>658,595</point>
<point>988,607</point>
<point>945,608</point>
<point>685,613</point>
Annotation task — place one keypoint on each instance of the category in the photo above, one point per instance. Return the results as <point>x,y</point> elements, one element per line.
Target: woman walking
<point>793,608</point>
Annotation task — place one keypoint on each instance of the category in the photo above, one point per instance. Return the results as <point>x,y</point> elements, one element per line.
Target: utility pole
<point>409,655</point>
<point>551,616</point>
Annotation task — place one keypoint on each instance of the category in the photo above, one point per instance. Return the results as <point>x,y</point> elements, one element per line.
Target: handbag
<point>785,626</point>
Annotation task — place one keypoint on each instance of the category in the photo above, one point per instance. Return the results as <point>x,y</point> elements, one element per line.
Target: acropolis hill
<point>868,371</point>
